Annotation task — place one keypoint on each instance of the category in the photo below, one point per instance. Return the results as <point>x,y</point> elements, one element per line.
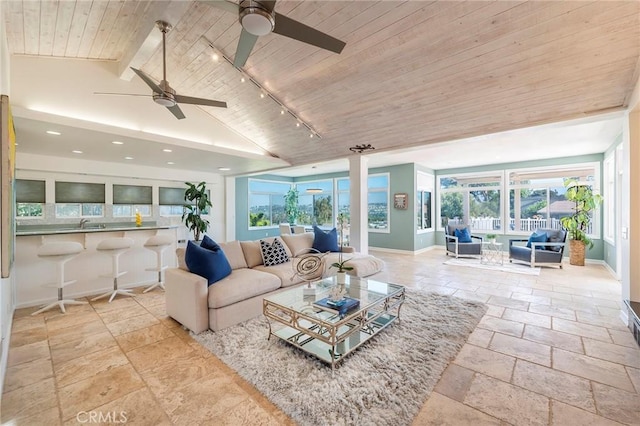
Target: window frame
<point>249,192</point>
<point>421,188</point>
<point>473,175</point>
<point>595,184</point>
<point>609,195</point>
<point>386,230</point>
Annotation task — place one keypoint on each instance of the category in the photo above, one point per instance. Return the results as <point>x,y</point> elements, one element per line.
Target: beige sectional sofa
<point>238,297</point>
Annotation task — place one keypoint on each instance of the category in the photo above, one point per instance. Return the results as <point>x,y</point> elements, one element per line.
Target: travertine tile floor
<point>550,350</point>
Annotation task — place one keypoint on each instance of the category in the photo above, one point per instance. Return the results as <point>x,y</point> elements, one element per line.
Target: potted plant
<point>197,206</point>
<point>579,222</point>
<point>291,208</point>
<point>340,264</point>
<point>491,238</point>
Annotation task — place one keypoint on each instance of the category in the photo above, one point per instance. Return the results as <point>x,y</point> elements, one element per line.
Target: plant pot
<point>577,252</point>
<point>341,277</point>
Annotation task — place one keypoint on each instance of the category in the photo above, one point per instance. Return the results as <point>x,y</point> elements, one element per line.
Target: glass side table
<point>491,253</point>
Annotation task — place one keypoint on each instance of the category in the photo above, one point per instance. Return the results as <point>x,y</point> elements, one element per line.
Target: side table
<point>491,253</point>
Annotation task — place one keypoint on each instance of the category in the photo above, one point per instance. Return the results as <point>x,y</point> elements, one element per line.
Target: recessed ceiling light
<point>52,132</point>
<point>167,150</point>
<point>215,57</point>
<point>75,151</point>
<point>117,143</point>
<point>128,158</point>
<point>224,169</point>
<point>242,80</point>
<point>170,162</point>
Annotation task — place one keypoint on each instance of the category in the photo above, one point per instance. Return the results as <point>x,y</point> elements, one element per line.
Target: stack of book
<point>340,307</point>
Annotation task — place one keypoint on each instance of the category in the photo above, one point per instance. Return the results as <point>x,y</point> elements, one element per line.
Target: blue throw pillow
<point>209,244</point>
<point>325,241</point>
<point>537,238</point>
<point>463,235</point>
<point>210,264</point>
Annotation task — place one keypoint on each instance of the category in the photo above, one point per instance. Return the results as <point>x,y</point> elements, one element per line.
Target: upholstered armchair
<point>546,250</point>
<point>460,248</point>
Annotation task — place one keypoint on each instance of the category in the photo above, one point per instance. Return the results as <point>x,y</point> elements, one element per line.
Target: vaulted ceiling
<point>412,73</point>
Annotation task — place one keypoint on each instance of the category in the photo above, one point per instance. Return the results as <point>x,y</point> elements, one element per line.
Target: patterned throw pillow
<point>273,254</point>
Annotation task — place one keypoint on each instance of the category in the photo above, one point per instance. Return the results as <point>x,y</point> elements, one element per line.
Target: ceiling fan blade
<point>298,31</point>
<point>224,5</point>
<point>199,101</point>
<point>245,45</point>
<point>120,94</point>
<point>148,80</point>
<point>175,110</point>
<point>268,4</point>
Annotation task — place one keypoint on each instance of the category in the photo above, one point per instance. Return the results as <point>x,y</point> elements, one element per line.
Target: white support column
<point>359,230</point>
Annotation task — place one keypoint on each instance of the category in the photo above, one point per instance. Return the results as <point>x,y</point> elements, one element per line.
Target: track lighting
<point>264,92</point>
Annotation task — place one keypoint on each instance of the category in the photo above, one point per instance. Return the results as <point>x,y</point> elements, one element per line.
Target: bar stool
<point>114,247</point>
<point>158,244</point>
<point>61,253</point>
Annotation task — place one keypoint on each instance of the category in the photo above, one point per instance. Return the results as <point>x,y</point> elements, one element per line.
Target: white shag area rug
<point>383,382</point>
<point>516,268</point>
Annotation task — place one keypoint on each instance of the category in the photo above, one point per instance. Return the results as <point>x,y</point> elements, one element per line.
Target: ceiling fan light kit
<point>258,18</point>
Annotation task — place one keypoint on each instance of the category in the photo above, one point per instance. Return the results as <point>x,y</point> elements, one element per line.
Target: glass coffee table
<point>324,332</point>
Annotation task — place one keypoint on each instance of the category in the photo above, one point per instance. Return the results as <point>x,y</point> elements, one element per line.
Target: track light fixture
<point>244,76</point>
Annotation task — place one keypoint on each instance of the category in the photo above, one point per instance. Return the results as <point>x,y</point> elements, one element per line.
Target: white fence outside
<point>526,224</point>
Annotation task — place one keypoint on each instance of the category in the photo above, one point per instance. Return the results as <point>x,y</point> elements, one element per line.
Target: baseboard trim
<point>624,316</point>
<point>398,251</point>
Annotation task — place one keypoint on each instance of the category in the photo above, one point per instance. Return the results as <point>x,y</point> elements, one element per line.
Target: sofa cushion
<point>537,238</point>
<point>298,243</point>
<point>274,253</point>
<point>180,252</point>
<point>325,241</point>
<point>253,253</point>
<point>284,272</point>
<point>464,236</point>
<point>242,284</point>
<point>233,251</point>
<point>210,264</point>
<point>209,244</point>
<point>363,264</point>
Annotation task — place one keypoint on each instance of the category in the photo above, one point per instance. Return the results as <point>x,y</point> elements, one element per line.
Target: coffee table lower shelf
<point>332,354</point>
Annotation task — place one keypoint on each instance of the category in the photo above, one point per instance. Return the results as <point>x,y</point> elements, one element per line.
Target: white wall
<point>7,284</point>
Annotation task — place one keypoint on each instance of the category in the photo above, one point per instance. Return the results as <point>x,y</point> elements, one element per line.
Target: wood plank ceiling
<point>412,73</point>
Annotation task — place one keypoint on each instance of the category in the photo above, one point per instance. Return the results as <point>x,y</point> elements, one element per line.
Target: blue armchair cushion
<point>463,235</point>
<point>210,264</point>
<point>325,241</point>
<point>537,238</point>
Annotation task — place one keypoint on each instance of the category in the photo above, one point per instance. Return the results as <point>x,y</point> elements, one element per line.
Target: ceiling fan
<point>258,18</point>
<point>163,94</point>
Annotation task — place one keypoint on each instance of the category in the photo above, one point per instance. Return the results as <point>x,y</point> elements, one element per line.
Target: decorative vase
<point>341,278</point>
<point>577,252</point>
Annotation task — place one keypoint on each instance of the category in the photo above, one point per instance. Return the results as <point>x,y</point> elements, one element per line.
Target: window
<point>472,199</point>
<point>266,202</point>
<point>171,201</point>
<point>77,199</point>
<point>315,200</point>
<point>344,201</point>
<point>609,198</point>
<point>378,202</point>
<point>129,199</point>
<point>424,201</point>
<point>536,196</point>
<point>30,198</point>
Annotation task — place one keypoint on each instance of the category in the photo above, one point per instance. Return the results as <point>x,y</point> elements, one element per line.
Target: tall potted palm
<point>198,204</point>
<point>291,208</point>
<point>578,224</point>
